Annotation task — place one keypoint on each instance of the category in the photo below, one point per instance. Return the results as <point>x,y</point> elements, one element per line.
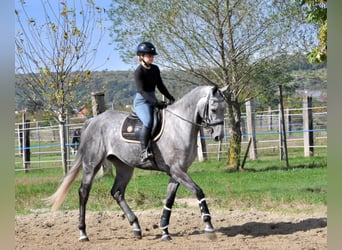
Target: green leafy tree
<point>316,12</point>
<point>54,52</point>
<point>226,43</point>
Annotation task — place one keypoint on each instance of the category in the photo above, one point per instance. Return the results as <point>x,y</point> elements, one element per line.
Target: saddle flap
<point>131,126</point>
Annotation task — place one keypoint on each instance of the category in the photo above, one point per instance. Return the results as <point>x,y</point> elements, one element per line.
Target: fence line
<point>45,146</point>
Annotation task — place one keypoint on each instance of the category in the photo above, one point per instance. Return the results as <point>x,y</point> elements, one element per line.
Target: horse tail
<point>58,197</point>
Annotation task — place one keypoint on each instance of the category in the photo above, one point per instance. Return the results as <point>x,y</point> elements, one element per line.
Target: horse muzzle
<point>217,132</point>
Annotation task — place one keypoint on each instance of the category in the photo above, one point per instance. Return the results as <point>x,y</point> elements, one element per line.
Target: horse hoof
<point>211,235</point>
<point>166,237</point>
<point>83,239</point>
<point>209,230</point>
<point>137,234</point>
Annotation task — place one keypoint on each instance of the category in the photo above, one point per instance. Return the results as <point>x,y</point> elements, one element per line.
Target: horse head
<point>212,114</point>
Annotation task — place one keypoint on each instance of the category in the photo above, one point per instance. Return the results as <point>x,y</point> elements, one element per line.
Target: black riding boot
<point>145,134</point>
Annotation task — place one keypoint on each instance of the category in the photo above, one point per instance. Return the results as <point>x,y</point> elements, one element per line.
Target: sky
<point>105,50</point>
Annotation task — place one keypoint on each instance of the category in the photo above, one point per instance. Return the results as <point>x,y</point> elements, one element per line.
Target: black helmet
<point>146,48</point>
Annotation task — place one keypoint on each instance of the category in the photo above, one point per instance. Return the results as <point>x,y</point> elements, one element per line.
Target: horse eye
<point>213,110</point>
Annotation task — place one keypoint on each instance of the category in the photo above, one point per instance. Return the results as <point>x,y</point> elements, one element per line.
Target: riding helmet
<point>146,48</point>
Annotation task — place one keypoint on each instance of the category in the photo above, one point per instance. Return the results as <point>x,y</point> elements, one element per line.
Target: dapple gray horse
<point>174,152</point>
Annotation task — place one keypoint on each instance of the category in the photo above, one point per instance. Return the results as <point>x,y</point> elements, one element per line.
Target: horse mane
<point>187,98</point>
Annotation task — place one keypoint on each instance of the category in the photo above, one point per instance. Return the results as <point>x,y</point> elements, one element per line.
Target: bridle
<point>206,122</point>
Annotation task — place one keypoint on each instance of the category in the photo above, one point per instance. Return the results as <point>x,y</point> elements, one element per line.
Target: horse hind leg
<point>83,192</point>
<point>123,175</point>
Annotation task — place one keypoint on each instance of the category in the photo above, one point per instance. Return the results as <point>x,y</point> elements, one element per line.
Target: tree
<point>316,11</point>
<point>226,43</point>
<point>53,55</point>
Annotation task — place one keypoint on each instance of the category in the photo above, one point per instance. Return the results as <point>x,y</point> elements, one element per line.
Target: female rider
<point>147,78</point>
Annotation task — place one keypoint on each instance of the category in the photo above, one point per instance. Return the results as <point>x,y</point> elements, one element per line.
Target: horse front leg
<point>205,214</point>
<point>184,179</point>
<point>170,199</point>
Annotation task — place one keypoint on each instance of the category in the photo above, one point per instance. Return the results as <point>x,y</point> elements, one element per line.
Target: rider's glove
<point>160,104</point>
<point>171,100</point>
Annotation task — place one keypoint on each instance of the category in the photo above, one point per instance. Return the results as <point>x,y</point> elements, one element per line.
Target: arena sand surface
<point>239,229</point>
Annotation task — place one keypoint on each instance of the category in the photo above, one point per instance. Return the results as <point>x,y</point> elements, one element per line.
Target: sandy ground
<point>249,229</point>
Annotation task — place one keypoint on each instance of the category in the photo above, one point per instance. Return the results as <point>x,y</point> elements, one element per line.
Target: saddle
<point>131,126</point>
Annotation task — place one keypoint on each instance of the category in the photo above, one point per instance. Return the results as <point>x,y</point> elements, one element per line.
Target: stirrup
<point>146,155</point>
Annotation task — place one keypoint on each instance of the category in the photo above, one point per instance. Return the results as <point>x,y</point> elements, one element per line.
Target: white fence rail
<point>268,134</point>
<point>44,144</point>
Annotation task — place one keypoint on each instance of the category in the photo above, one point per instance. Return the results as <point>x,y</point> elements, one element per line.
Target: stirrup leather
<point>146,155</point>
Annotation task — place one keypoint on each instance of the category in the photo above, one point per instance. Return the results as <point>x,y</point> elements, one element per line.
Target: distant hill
<point>119,86</point>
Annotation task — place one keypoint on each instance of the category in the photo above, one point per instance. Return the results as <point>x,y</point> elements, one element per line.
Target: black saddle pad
<point>131,126</point>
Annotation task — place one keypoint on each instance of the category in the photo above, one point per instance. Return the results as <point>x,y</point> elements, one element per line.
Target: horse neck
<point>187,106</point>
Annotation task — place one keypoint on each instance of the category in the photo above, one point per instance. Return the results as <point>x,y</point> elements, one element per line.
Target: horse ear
<point>214,90</point>
<point>224,89</point>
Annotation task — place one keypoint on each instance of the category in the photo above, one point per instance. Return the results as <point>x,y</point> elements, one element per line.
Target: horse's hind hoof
<point>83,239</point>
<point>166,237</point>
<point>137,234</point>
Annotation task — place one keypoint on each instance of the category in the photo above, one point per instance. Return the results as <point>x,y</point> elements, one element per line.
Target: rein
<point>206,123</point>
<point>182,118</point>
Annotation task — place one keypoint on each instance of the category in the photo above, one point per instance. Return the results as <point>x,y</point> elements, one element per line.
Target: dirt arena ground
<point>249,229</point>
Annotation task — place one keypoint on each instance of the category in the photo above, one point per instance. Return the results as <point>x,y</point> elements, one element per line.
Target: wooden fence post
<point>67,141</point>
<point>219,149</point>
<point>251,129</point>
<point>25,142</point>
<point>243,130</point>
<point>98,103</point>
<point>282,128</point>
<point>288,121</point>
<point>270,120</point>
<point>281,148</point>
<point>308,126</point>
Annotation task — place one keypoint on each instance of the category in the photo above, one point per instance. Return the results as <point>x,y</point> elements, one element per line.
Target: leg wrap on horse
<point>165,218</point>
<point>204,210</point>
<point>164,223</point>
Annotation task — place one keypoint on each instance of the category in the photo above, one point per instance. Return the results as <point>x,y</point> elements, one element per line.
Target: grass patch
<point>263,184</point>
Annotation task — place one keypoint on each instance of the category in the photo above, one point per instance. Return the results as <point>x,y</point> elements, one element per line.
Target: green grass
<point>266,185</point>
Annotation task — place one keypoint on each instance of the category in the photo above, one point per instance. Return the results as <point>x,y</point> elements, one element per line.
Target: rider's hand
<point>161,105</point>
<point>171,100</point>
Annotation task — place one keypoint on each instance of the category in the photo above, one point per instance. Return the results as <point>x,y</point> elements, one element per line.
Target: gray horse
<point>174,152</point>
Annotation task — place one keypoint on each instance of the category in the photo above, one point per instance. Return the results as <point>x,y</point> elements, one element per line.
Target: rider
<point>147,78</point>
